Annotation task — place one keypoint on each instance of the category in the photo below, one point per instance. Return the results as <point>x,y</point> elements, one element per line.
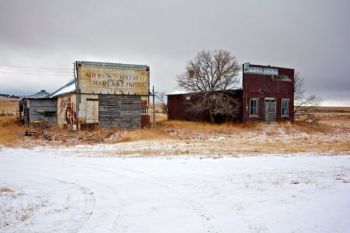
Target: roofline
<point>268,66</point>
<point>66,93</point>
<point>45,98</point>
<point>191,93</point>
<point>69,83</point>
<point>113,65</point>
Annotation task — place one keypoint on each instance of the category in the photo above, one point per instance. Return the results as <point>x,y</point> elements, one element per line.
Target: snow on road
<point>42,191</point>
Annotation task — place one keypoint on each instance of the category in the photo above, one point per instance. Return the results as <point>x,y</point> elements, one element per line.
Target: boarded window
<point>285,107</point>
<point>253,111</point>
<point>91,111</point>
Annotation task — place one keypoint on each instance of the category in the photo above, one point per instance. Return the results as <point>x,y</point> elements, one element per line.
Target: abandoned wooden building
<point>266,94</point>
<point>38,109</point>
<point>103,95</point>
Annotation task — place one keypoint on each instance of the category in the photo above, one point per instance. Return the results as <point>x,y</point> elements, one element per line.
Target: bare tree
<point>161,97</point>
<point>208,76</point>
<point>304,105</point>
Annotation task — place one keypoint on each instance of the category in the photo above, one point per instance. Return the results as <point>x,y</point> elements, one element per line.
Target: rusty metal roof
<point>40,95</point>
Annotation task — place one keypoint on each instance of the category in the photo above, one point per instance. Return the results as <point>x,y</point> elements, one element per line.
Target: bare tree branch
<point>304,106</point>
<point>161,97</point>
<point>208,75</point>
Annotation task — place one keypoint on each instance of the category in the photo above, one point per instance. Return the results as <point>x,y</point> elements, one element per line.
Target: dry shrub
<point>6,190</point>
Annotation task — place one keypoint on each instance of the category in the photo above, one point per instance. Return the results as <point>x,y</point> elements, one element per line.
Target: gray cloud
<point>310,36</point>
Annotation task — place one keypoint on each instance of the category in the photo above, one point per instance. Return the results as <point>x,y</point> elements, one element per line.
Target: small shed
<point>38,109</point>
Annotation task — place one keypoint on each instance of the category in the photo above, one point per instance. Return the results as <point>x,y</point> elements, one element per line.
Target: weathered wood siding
<point>41,111</point>
<point>119,111</point>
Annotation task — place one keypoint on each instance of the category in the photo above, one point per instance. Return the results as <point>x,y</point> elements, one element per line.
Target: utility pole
<point>154,106</point>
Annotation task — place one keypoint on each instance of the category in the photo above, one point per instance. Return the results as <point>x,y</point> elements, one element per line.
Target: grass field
<point>8,106</point>
<point>331,135</point>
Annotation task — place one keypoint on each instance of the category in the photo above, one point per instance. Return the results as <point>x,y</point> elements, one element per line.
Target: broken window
<point>285,107</point>
<point>253,111</point>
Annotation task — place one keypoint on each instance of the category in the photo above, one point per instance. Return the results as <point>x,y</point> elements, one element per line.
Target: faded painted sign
<point>66,114</point>
<point>259,70</point>
<point>113,80</point>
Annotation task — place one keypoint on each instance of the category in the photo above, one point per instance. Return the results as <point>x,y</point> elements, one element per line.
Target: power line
<point>17,70</point>
<point>36,73</point>
<point>34,68</point>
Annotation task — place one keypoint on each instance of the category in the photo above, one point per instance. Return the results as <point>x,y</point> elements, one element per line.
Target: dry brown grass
<point>8,106</point>
<point>183,137</point>
<point>205,126</point>
<point>313,128</point>
<point>335,119</point>
<point>143,134</point>
<point>10,131</point>
<point>332,109</point>
<point>296,147</point>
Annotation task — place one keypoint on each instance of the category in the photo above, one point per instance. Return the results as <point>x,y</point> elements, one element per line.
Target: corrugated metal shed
<point>40,95</point>
<point>38,109</point>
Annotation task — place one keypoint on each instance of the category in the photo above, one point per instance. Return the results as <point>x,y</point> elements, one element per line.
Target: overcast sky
<point>39,40</point>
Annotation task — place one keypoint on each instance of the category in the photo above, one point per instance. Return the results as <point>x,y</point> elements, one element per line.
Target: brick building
<point>266,94</point>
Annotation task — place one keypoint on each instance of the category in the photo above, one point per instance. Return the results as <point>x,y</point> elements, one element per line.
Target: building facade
<point>268,93</point>
<point>104,95</point>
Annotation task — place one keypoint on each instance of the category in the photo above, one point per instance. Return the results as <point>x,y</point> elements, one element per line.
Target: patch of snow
<point>302,193</point>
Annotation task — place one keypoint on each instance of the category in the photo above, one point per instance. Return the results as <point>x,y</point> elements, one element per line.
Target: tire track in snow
<point>109,195</point>
<point>197,207</point>
<point>233,207</point>
<point>89,199</point>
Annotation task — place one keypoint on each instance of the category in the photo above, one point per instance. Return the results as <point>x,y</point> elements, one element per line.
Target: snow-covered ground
<point>43,191</point>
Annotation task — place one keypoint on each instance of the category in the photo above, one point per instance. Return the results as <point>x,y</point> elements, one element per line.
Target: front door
<point>270,109</point>
<point>91,111</point>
